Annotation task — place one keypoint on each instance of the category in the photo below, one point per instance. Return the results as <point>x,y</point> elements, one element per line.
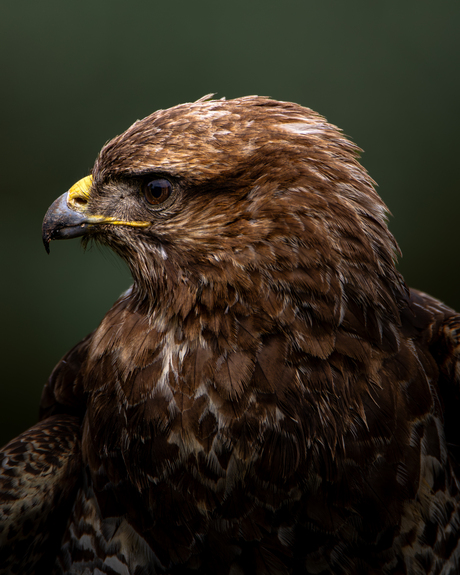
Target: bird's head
<point>233,200</point>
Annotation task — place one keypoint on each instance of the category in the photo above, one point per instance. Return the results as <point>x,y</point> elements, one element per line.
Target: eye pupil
<point>157,191</point>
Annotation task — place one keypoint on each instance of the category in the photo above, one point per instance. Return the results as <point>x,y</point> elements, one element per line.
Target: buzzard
<point>268,398</point>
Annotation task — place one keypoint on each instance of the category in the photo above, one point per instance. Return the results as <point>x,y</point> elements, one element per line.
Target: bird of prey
<point>268,398</point>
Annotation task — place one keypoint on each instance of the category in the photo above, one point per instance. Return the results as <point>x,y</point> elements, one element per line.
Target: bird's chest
<point>187,449</point>
<point>177,410</point>
<point>189,440</point>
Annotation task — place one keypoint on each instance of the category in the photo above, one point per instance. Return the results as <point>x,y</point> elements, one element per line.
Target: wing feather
<point>38,478</point>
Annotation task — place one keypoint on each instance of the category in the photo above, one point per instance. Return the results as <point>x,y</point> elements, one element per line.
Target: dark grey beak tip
<point>60,222</point>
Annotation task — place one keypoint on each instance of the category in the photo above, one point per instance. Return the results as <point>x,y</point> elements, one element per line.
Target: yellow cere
<point>77,199</point>
<point>80,191</point>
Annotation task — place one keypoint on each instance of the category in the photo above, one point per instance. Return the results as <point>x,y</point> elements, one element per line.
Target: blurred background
<point>75,74</point>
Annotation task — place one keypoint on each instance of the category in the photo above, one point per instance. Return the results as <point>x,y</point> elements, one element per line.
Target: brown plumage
<point>269,397</point>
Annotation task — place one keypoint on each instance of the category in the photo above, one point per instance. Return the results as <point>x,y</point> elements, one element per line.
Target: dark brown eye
<point>157,191</point>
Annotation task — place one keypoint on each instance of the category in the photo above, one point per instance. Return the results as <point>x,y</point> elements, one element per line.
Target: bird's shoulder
<point>435,330</point>
<point>63,392</point>
<point>438,327</point>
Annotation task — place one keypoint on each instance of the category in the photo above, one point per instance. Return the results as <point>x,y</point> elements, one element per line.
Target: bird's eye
<point>157,191</point>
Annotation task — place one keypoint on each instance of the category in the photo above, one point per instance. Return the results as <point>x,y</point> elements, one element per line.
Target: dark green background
<point>74,74</point>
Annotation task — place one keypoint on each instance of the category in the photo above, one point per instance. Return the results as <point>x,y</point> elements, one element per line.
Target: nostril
<point>80,202</point>
<point>78,195</point>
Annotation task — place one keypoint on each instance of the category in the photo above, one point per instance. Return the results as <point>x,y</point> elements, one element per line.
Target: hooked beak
<point>68,216</point>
